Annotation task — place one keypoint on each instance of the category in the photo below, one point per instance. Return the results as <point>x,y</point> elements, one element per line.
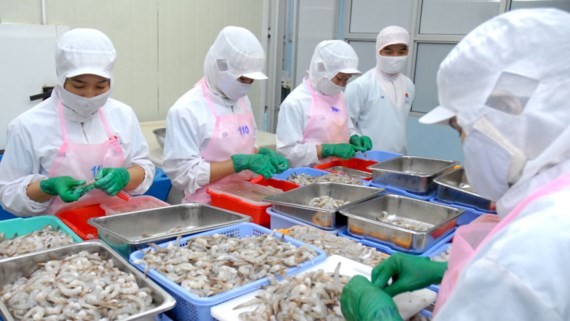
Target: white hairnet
<point>392,35</point>
<point>509,78</point>
<point>236,52</point>
<point>84,51</point>
<point>330,58</point>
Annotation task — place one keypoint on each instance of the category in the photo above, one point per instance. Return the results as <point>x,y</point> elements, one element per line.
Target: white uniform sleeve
<point>15,168</point>
<point>183,162</point>
<point>136,153</point>
<point>353,95</point>
<point>290,127</point>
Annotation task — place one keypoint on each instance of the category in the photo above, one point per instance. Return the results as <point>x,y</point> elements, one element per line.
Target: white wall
<point>161,44</point>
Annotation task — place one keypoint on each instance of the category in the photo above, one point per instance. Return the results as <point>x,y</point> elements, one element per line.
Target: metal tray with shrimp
<point>318,204</point>
<point>401,222</point>
<point>13,269</point>
<point>358,174</point>
<point>128,232</point>
<point>411,173</point>
<point>453,187</point>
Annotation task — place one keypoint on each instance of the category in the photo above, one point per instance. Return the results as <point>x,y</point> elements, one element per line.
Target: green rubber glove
<point>345,151</point>
<point>362,301</point>
<point>361,143</point>
<point>112,180</point>
<point>66,187</point>
<point>408,273</point>
<point>278,161</point>
<point>256,163</point>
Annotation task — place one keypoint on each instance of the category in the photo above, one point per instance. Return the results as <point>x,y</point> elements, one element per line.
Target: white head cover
<point>84,51</point>
<point>236,52</point>
<point>391,35</point>
<point>330,58</point>
<point>508,81</point>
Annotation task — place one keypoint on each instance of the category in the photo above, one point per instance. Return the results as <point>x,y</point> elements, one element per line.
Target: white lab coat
<point>189,126</point>
<point>292,120</point>
<point>34,139</point>
<point>522,272</point>
<point>379,105</point>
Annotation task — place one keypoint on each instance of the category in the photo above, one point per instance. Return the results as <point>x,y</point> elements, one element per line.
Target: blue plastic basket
<point>403,192</point>
<point>377,155</point>
<point>467,217</point>
<point>307,171</point>
<point>160,185</point>
<point>191,307</point>
<point>391,249</point>
<point>279,221</point>
<point>5,215</point>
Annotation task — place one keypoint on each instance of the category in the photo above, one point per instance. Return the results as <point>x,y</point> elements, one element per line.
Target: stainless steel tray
<point>295,203</point>
<point>453,187</point>
<point>349,172</point>
<point>13,268</point>
<point>414,174</point>
<point>128,232</point>
<point>364,220</point>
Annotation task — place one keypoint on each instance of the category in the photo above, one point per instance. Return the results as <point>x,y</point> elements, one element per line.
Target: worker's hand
<point>112,180</point>
<point>67,188</point>
<point>256,163</point>
<point>408,273</point>
<point>345,151</point>
<point>362,301</point>
<point>278,161</point>
<point>361,143</point>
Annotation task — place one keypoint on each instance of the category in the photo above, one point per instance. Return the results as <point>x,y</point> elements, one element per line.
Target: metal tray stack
<point>411,173</point>
<point>128,232</point>
<point>453,187</point>
<point>367,219</point>
<point>295,203</point>
<point>14,268</point>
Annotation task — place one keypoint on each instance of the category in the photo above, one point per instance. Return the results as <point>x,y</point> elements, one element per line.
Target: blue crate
<point>307,171</point>
<point>377,155</point>
<point>467,217</point>
<point>5,215</point>
<point>192,307</point>
<point>391,249</point>
<point>279,221</point>
<point>403,192</point>
<point>160,185</point>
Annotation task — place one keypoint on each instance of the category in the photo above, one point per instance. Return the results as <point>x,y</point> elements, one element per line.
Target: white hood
<point>330,58</point>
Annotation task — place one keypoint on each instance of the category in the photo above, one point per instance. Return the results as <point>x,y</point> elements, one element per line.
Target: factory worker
<point>79,144</point>
<point>210,130</point>
<point>379,102</point>
<point>313,120</point>
<point>513,266</point>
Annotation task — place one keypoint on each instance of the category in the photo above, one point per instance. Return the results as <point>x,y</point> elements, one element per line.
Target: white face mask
<point>329,88</point>
<point>392,64</point>
<point>84,107</point>
<point>486,165</point>
<point>232,88</point>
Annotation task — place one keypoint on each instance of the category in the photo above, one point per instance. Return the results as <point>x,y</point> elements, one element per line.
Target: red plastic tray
<point>354,163</point>
<point>257,212</point>
<point>77,218</point>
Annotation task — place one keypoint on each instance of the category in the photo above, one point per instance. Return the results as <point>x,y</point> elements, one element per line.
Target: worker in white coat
<point>380,100</point>
<point>210,130</point>
<point>512,105</point>
<point>313,120</point>
<point>79,146</point>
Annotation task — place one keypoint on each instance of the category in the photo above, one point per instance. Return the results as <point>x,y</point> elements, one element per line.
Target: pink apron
<point>83,161</point>
<point>469,238</point>
<point>233,134</point>
<point>328,119</point>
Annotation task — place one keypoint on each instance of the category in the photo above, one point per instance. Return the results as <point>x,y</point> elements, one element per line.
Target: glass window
<point>456,17</point>
<point>371,16</point>
<point>560,4</point>
<point>429,58</point>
